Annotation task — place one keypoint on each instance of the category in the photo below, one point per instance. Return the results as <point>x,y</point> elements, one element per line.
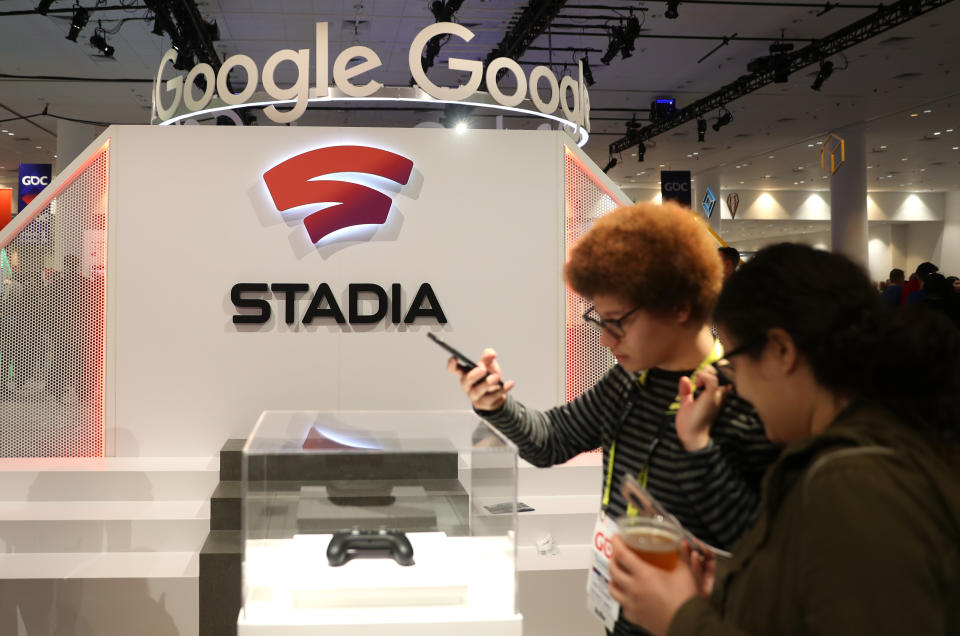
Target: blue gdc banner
<point>675,186</point>
<point>34,177</point>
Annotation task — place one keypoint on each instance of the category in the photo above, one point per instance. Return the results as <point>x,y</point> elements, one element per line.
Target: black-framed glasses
<point>613,326</point>
<point>725,367</point>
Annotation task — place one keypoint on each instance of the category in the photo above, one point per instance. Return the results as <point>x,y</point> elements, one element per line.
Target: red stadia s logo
<point>291,184</point>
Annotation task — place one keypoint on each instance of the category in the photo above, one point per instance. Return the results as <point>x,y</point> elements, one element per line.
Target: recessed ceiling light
<point>903,158</point>
<point>936,133</point>
<point>914,114</point>
<point>696,153</point>
<point>39,148</point>
<point>883,147</point>
<point>3,131</point>
<point>949,129</point>
<point>927,111</point>
<point>770,157</point>
<point>11,134</point>
<point>662,165</point>
<point>923,169</point>
<point>956,147</point>
<point>741,183</point>
<point>809,145</point>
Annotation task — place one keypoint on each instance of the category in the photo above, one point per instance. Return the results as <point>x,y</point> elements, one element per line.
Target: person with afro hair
<point>651,274</point>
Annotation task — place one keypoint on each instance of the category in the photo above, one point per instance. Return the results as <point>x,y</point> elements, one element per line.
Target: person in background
<point>11,319</point>
<point>731,260</point>
<point>894,291</point>
<point>915,283</point>
<point>652,274</point>
<point>860,521</point>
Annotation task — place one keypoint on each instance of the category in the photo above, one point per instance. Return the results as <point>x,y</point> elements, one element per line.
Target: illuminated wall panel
<point>586,200</point>
<point>53,322</point>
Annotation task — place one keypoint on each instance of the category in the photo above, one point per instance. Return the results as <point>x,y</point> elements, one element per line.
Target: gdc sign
<point>675,186</point>
<point>343,76</point>
<point>33,178</point>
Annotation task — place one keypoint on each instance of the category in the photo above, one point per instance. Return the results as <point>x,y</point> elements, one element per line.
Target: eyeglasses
<point>725,366</point>
<point>613,326</point>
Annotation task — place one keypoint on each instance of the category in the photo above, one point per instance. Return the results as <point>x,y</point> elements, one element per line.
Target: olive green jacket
<point>858,535</point>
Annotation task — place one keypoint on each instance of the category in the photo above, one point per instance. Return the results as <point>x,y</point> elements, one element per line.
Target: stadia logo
<point>295,182</point>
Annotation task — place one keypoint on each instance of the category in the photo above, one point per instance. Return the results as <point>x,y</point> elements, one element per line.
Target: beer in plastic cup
<point>653,539</point>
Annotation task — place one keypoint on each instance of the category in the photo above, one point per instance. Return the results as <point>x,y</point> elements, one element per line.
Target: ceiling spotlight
<point>99,42</point>
<point>725,118</point>
<point>630,34</point>
<point>461,127</point>
<point>184,59</point>
<point>610,164</point>
<point>641,151</point>
<point>80,18</point>
<point>826,70</point>
<point>587,73</point>
<point>671,12</point>
<point>616,34</point>
<point>44,6</point>
<point>702,130</point>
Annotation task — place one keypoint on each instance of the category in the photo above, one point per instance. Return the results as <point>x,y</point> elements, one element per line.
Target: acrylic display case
<point>355,522</point>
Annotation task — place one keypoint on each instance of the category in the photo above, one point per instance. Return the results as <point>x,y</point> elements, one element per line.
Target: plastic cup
<point>653,539</point>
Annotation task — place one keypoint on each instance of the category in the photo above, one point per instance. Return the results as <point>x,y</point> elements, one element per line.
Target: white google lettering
<point>33,180</point>
<point>562,93</point>
<point>675,187</point>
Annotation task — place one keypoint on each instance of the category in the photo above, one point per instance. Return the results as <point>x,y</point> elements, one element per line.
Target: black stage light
<point>641,151</point>
<point>184,59</point>
<point>80,18</point>
<point>99,42</point>
<point>701,129</point>
<point>44,6</point>
<point>213,31</point>
<point>587,73</point>
<point>610,165</point>
<point>826,70</point>
<point>616,36</point>
<point>724,119</point>
<point>671,13</point>
<point>629,36</point>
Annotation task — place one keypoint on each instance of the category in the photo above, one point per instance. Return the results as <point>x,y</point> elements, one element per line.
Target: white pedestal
<point>457,585</point>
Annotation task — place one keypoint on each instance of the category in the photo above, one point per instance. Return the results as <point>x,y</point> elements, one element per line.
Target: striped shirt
<point>714,492</point>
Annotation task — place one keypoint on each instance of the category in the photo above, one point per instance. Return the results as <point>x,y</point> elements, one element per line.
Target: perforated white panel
<point>586,200</point>
<point>52,312</point>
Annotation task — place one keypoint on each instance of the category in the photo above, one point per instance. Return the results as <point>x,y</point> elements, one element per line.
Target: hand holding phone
<point>483,394</point>
<point>464,363</point>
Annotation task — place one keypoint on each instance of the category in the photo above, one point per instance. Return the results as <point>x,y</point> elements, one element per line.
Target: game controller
<point>344,545</point>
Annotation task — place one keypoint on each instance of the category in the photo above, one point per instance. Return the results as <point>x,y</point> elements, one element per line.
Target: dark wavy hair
<point>906,359</point>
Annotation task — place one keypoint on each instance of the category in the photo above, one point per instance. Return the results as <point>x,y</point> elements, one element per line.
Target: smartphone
<point>464,363</point>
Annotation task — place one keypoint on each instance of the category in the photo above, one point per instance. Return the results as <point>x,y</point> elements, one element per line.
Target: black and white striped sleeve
<point>545,438</point>
<point>725,489</point>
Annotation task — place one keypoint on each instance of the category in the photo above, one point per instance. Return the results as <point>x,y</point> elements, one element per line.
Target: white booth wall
<point>481,221</point>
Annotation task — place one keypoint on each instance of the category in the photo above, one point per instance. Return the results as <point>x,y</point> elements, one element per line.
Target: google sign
<point>545,93</point>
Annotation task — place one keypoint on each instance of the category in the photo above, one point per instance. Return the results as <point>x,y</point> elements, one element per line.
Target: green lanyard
<point>715,355</point>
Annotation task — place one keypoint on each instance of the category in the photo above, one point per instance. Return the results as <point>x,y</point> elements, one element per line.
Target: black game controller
<point>344,545</point>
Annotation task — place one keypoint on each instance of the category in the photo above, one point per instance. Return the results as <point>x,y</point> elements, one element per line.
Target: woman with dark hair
<point>860,523</point>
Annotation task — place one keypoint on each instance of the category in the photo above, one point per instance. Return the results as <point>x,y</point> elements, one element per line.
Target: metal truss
<point>874,24</point>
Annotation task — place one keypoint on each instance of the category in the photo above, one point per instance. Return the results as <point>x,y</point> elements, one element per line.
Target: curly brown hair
<point>660,257</point>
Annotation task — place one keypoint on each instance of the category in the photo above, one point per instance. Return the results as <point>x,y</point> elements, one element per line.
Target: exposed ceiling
<point>903,84</point>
